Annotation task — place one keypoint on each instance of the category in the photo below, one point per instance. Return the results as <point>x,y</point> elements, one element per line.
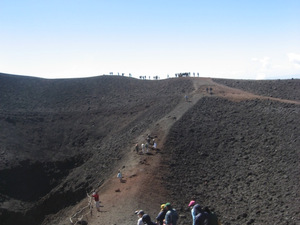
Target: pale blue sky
<point>225,39</point>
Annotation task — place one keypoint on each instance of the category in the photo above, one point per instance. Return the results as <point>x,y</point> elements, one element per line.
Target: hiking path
<point>142,180</point>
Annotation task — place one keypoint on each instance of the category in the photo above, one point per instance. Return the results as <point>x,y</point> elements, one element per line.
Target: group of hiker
<point>209,90</point>
<point>166,216</point>
<point>150,141</point>
<point>169,216</point>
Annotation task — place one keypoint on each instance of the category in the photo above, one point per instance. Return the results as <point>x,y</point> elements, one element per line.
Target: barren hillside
<point>231,149</point>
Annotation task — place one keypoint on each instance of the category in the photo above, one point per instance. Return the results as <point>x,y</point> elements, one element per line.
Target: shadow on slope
<point>32,180</point>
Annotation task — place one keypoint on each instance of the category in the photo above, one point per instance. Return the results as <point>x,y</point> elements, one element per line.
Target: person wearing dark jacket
<point>171,215</point>
<point>161,215</point>
<point>147,220</point>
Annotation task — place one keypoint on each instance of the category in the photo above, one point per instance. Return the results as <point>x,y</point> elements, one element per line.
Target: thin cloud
<point>294,58</point>
<point>263,67</point>
<point>265,62</point>
<point>260,76</point>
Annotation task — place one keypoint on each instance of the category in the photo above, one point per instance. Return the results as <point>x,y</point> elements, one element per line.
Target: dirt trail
<point>238,95</point>
<point>142,187</point>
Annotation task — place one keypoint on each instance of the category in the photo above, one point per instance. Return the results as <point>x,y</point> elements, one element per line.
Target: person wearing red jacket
<point>96,198</point>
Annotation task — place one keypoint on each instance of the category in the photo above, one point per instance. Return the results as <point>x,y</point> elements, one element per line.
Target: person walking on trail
<point>137,148</point>
<point>161,215</point>
<point>140,214</point>
<point>147,220</point>
<point>186,98</point>
<point>193,210</point>
<point>154,144</point>
<point>171,215</point>
<point>143,148</point>
<point>119,176</point>
<point>148,139</point>
<point>147,147</point>
<point>96,198</point>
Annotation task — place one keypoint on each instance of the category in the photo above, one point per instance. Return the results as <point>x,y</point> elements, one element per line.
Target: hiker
<point>143,148</point>
<point>148,138</point>
<point>147,146</point>
<point>161,215</point>
<point>147,220</point>
<point>119,176</point>
<point>154,144</point>
<point>212,217</point>
<point>96,198</point>
<point>137,148</point>
<point>186,98</point>
<point>193,210</point>
<point>201,217</point>
<point>140,214</point>
<point>171,215</point>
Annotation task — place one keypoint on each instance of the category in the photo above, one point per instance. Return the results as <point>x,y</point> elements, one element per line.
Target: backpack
<point>173,216</point>
<point>201,218</point>
<point>197,209</point>
<point>211,219</point>
<point>147,220</point>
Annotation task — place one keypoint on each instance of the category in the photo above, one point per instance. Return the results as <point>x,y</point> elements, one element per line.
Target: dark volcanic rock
<point>59,138</point>
<point>240,158</point>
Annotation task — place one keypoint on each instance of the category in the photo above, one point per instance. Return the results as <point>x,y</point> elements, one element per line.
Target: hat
<point>192,203</point>
<point>168,204</point>
<point>163,206</point>
<point>138,212</point>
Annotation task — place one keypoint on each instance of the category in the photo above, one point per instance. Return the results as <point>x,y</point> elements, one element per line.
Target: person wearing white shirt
<point>140,214</point>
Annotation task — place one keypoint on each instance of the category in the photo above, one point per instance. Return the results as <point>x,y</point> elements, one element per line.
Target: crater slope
<point>229,146</point>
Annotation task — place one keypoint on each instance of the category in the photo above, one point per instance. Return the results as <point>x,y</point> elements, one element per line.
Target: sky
<point>237,39</point>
